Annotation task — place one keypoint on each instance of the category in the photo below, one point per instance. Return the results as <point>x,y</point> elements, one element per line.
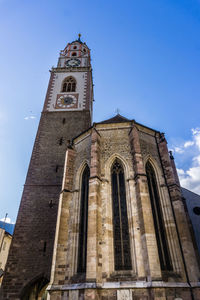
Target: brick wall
<point>31,250</point>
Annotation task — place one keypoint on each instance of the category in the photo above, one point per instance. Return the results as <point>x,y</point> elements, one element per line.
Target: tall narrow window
<point>161,237</point>
<point>82,248</point>
<point>69,85</point>
<point>120,220</point>
<point>64,87</point>
<point>73,86</point>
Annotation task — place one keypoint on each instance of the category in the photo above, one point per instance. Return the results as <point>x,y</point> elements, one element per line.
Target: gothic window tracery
<point>69,85</point>
<point>122,256</point>
<point>161,237</point>
<point>82,246</point>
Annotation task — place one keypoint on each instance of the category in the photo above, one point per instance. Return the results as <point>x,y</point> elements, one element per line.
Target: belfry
<point>101,216</point>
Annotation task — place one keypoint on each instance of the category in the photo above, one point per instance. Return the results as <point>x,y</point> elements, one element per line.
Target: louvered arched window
<point>69,85</point>
<point>122,256</point>
<point>161,237</point>
<point>82,246</point>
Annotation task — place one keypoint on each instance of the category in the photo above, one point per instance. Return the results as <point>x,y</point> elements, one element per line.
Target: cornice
<point>74,69</point>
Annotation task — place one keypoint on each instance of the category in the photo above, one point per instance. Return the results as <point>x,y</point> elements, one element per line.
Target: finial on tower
<point>79,37</point>
<point>117,111</point>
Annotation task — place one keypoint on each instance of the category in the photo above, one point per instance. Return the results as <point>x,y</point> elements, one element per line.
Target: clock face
<point>66,101</point>
<point>73,62</point>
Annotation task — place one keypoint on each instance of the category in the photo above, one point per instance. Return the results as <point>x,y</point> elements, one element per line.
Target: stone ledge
<point>75,286</point>
<point>122,285</point>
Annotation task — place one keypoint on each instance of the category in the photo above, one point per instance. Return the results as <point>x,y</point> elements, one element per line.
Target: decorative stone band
<point>97,177</point>
<point>42,184</point>
<point>71,69</point>
<point>66,191</point>
<point>69,191</point>
<point>122,285</point>
<point>137,175</point>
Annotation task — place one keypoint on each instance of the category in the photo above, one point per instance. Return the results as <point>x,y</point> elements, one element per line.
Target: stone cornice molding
<point>74,69</point>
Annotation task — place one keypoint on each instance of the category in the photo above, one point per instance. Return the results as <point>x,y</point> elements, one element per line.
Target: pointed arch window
<point>36,290</point>
<point>122,256</point>
<point>161,237</point>
<point>82,246</point>
<point>69,85</point>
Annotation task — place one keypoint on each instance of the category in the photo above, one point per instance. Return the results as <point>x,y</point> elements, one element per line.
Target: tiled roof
<point>116,119</point>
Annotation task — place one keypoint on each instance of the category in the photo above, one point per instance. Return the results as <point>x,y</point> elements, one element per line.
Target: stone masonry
<point>31,250</point>
<point>30,259</point>
<point>134,145</point>
<point>118,178</point>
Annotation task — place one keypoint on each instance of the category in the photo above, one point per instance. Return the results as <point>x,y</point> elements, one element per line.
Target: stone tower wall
<point>31,250</point>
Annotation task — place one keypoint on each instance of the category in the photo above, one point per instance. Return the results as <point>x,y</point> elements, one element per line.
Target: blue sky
<point>146,63</point>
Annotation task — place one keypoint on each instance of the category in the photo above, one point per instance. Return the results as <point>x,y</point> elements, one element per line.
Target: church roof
<point>9,228</point>
<point>116,119</point>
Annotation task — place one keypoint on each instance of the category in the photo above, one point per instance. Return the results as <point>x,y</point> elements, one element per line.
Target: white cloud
<point>8,220</point>
<point>194,173</point>
<point>29,117</point>
<point>188,144</point>
<point>190,178</point>
<point>196,134</point>
<point>180,172</point>
<point>178,150</point>
<point>197,159</point>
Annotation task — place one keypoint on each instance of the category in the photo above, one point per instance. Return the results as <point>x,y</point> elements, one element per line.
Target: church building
<point>102,215</point>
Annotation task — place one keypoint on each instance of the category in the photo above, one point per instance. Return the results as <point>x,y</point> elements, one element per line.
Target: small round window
<point>74,54</point>
<point>196,210</point>
<point>75,47</point>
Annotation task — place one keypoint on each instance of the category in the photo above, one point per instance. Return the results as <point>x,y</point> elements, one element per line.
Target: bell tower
<point>71,89</point>
<point>66,113</point>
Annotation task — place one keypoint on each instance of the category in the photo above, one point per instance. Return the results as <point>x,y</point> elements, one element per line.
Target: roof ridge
<point>116,119</point>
